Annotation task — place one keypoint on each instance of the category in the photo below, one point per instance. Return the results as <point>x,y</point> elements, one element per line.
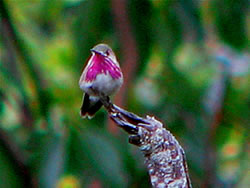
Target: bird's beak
<point>92,50</point>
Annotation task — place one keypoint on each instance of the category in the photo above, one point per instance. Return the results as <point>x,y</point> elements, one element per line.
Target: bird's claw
<point>125,125</point>
<point>130,117</point>
<point>124,119</point>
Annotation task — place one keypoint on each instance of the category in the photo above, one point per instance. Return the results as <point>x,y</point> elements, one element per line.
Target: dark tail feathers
<point>89,107</point>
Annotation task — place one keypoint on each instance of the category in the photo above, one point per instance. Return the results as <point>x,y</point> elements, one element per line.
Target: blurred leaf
<point>1,102</point>
<point>53,163</point>
<point>99,158</point>
<point>169,25</point>
<point>90,27</point>
<point>192,22</point>
<point>214,97</point>
<point>230,19</point>
<point>49,14</point>
<point>76,159</point>
<point>9,177</point>
<point>140,13</point>
<point>47,157</point>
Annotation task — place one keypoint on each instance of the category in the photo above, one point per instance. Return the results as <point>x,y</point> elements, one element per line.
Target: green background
<point>186,62</point>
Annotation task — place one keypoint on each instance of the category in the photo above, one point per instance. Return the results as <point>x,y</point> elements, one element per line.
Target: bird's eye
<point>107,52</point>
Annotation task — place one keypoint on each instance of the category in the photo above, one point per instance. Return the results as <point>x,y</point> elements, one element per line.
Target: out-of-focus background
<point>185,62</point>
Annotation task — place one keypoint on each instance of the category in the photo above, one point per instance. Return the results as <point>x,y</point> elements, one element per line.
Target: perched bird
<point>101,75</point>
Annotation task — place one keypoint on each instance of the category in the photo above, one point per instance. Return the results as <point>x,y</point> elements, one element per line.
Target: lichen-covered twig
<point>164,157</point>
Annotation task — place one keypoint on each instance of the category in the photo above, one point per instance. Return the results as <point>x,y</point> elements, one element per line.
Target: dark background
<point>186,62</point>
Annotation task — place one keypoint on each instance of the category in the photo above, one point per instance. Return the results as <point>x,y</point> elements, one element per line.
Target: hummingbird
<point>101,75</point>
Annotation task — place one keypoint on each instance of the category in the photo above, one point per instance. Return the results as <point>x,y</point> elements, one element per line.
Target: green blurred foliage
<point>193,74</point>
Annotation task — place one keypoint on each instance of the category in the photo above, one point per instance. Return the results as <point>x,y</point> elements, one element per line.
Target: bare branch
<point>164,157</point>
<point>18,160</point>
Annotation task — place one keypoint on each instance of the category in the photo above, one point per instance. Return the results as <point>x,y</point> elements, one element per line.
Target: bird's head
<point>105,51</point>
